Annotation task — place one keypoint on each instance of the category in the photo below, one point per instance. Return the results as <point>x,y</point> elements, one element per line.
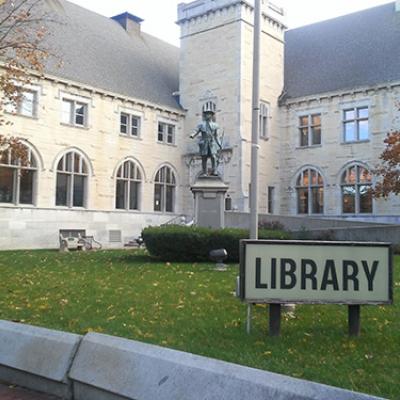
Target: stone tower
<point>216,65</point>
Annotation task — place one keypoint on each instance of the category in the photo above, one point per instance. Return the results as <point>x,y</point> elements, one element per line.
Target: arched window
<point>356,182</point>
<point>129,179</point>
<point>164,190</point>
<point>17,178</point>
<point>310,192</point>
<point>72,180</point>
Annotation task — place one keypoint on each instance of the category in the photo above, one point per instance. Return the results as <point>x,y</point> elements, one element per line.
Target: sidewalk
<point>9,392</point>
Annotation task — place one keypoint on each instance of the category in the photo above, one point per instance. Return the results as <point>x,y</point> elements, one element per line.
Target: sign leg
<point>275,319</point>
<point>354,320</point>
<point>248,319</point>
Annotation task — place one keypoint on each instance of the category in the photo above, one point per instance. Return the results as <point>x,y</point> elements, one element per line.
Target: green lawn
<point>192,308</point>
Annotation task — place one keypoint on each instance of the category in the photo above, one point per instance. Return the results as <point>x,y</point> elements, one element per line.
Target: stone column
<point>209,202</point>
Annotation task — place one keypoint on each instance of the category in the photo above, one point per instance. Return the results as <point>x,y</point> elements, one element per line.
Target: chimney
<point>131,23</point>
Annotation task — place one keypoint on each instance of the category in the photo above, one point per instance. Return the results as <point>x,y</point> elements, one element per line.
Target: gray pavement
<point>10,392</point>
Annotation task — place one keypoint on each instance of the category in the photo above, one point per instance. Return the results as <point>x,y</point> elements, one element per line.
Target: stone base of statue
<point>209,201</point>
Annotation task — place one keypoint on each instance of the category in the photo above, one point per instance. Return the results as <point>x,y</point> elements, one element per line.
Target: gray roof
<point>355,50</point>
<point>97,51</point>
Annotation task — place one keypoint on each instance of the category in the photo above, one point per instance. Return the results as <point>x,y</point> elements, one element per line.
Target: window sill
<point>167,144</point>
<point>356,142</point>
<point>124,210</point>
<point>70,208</point>
<point>84,128</point>
<point>130,137</point>
<point>12,205</point>
<point>31,117</point>
<point>314,146</point>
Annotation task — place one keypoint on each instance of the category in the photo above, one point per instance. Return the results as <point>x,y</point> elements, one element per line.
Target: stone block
<point>110,368</point>
<point>36,358</point>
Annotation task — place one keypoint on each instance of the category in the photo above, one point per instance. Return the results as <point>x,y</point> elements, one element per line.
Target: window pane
<point>349,132</point>
<point>363,112</point>
<point>363,130</point>
<point>302,201</point>
<point>303,136</point>
<point>77,162</point>
<point>27,106</point>
<point>316,135</point>
<point>134,196</point>
<point>62,189</point>
<point>68,162</point>
<point>135,126</point>
<point>26,187</point>
<point>365,199</point>
<point>124,123</point>
<point>364,175</point>
<point>120,195</point>
<point>79,191</point>
<point>169,206</point>
<point>67,111</point>
<point>303,121</point>
<point>6,184</point>
<point>349,199</point>
<point>80,111</point>
<point>161,132</point>
<point>317,200</point>
<point>158,197</point>
<point>170,136</point>
<point>349,115</point>
<point>316,119</point>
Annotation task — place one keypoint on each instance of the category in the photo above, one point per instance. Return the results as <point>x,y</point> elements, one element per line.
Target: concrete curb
<point>37,358</point>
<point>110,368</point>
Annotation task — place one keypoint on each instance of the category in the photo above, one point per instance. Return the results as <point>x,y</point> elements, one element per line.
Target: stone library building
<point>108,130</point>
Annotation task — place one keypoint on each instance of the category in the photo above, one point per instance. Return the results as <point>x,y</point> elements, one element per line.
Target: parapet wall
<point>101,367</point>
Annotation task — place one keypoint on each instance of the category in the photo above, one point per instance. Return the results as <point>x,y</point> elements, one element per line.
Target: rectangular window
<point>355,124</point>
<point>310,130</point>
<point>74,113</point>
<point>129,125</point>
<point>271,193</point>
<point>264,116</point>
<point>166,133</point>
<point>26,106</point>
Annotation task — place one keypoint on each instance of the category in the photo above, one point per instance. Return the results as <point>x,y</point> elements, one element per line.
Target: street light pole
<point>255,122</point>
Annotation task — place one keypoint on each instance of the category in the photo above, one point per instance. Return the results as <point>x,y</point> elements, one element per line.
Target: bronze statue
<point>209,143</point>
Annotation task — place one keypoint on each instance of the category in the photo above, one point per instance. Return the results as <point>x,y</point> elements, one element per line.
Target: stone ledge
<point>126,369</point>
<point>36,358</point>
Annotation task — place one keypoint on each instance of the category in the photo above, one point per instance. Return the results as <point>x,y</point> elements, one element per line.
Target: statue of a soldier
<point>209,143</point>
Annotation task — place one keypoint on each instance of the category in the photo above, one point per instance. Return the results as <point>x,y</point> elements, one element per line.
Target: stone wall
<point>38,228</point>
<point>104,367</point>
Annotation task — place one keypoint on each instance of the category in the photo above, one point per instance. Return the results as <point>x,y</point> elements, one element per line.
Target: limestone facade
<point>215,65</point>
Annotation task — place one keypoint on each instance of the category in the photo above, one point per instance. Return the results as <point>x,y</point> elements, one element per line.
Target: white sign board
<point>315,272</point>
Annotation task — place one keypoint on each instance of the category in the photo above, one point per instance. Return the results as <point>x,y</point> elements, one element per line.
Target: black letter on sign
<point>347,276</point>
<point>259,285</point>
<point>308,275</point>
<point>330,277</point>
<point>288,273</point>
<point>370,275</point>
<point>273,273</point>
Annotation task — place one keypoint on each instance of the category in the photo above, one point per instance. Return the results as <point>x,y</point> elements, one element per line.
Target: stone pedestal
<point>209,201</point>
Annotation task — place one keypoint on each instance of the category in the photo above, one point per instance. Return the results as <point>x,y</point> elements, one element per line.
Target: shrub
<point>271,225</point>
<point>182,243</point>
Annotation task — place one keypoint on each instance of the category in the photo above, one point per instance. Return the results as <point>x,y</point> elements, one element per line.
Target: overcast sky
<point>160,15</point>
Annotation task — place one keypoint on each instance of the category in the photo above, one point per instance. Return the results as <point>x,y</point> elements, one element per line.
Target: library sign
<point>306,272</point>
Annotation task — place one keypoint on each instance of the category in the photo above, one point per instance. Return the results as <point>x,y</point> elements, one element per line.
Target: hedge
<point>182,243</point>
